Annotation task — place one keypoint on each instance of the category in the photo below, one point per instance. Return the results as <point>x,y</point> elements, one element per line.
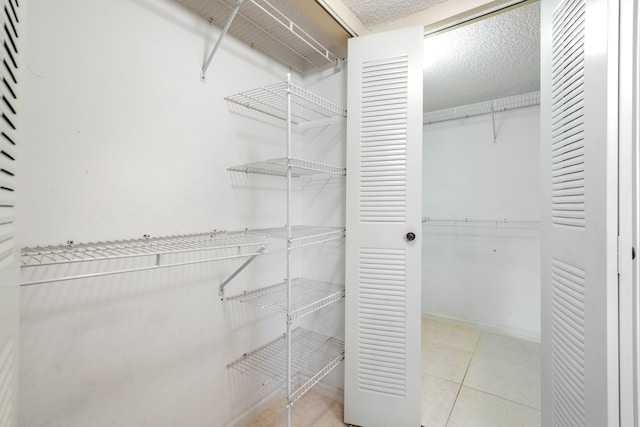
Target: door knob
<point>410,236</point>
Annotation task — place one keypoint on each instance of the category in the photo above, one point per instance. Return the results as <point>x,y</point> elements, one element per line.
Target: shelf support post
<point>289,237</point>
<point>205,67</point>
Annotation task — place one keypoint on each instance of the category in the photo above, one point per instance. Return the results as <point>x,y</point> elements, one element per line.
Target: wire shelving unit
<point>152,251</point>
<point>279,167</point>
<point>307,296</point>
<point>302,235</point>
<point>268,27</point>
<point>312,357</point>
<point>290,103</point>
<point>486,107</point>
<point>300,358</point>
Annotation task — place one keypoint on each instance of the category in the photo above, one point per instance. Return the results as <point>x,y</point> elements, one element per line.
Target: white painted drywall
<point>484,276</point>
<point>323,203</point>
<point>122,139</point>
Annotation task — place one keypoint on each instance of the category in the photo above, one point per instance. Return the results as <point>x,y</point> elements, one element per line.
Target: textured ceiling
<point>490,58</point>
<point>374,13</point>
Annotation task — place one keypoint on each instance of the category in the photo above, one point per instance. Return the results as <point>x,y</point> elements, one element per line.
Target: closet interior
<point>183,259</point>
<point>481,222</point>
<point>481,207</point>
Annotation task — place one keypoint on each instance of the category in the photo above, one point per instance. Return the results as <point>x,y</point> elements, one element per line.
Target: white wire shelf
<point>307,296</point>
<point>313,356</point>
<point>483,223</point>
<point>306,107</point>
<point>155,249</point>
<point>268,27</point>
<point>302,235</point>
<point>279,167</point>
<point>502,104</point>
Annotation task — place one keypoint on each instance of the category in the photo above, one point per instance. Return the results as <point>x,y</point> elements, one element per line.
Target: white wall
<point>122,139</point>
<point>323,203</point>
<point>489,277</point>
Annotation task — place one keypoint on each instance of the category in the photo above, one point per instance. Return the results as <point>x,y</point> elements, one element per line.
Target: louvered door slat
<point>579,223</point>
<point>8,127</point>
<point>9,110</point>
<point>567,125</point>
<point>384,139</point>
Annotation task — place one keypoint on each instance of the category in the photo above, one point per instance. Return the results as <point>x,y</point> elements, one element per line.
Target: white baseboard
<point>256,409</point>
<point>330,390</point>
<point>492,329</point>
<point>327,390</point>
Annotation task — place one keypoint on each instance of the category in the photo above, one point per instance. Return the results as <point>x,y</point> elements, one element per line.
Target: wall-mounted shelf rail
<point>313,356</point>
<point>307,296</point>
<point>302,235</point>
<point>307,109</point>
<point>268,29</point>
<point>280,166</point>
<point>151,251</point>
<point>483,223</point>
<point>486,107</point>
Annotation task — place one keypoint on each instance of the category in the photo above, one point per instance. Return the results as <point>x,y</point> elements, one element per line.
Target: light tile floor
<point>312,410</point>
<point>469,379</point>
<point>476,379</point>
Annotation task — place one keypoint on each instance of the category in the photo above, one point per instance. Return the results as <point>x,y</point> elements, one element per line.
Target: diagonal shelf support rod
<point>224,32</point>
<point>235,273</point>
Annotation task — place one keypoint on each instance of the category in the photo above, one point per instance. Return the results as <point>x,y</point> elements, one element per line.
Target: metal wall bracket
<point>205,66</point>
<point>493,122</point>
<point>235,273</point>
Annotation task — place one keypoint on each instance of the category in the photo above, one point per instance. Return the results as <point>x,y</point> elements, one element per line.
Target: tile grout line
<point>504,398</point>
<point>475,347</point>
<point>489,393</point>
<point>453,406</point>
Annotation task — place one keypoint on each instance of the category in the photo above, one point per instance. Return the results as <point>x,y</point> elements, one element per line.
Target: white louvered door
<point>8,188</point>
<point>384,204</point>
<point>579,233</point>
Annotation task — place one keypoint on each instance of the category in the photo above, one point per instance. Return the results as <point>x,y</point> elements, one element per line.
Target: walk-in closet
<point>318,213</point>
<point>481,222</point>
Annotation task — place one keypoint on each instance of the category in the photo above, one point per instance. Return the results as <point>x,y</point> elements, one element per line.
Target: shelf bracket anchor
<point>493,122</point>
<point>205,67</point>
<point>235,273</point>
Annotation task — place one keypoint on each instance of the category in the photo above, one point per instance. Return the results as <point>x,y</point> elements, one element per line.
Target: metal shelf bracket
<point>235,273</point>
<point>493,122</point>
<point>205,66</point>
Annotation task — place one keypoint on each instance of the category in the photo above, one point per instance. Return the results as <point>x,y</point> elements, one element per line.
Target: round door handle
<point>410,236</point>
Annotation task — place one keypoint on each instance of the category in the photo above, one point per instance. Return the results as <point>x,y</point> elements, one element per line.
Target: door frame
<point>629,213</point>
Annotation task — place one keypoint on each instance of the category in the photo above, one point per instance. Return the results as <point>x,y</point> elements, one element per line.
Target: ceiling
<point>361,17</point>
<point>489,58</point>
<point>478,50</point>
<point>377,13</point>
